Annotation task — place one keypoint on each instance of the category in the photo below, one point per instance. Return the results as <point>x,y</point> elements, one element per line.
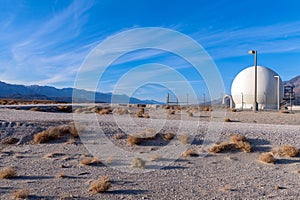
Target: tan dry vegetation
<point>104,111</point>
<point>190,153</point>
<point>133,140</point>
<point>101,185</point>
<point>227,120</point>
<point>171,112</point>
<point>267,158</point>
<point>54,133</point>
<point>90,161</point>
<point>120,111</point>
<point>154,157</point>
<point>118,136</point>
<point>7,173</point>
<point>285,150</point>
<point>237,142</point>
<point>168,136</point>
<point>20,194</point>
<point>60,175</point>
<point>138,163</point>
<point>184,138</point>
<point>10,140</point>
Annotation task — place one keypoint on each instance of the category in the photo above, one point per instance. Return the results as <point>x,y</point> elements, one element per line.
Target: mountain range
<point>34,92</point>
<point>296,83</point>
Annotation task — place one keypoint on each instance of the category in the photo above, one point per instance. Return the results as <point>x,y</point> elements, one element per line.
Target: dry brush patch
<point>184,138</point>
<point>54,133</point>
<point>60,175</point>
<point>236,142</point>
<point>10,140</point>
<point>90,161</point>
<point>7,173</point>
<point>20,194</point>
<point>267,158</point>
<point>192,152</point>
<point>285,150</point>
<point>134,140</point>
<point>138,163</point>
<point>101,185</point>
<point>168,136</point>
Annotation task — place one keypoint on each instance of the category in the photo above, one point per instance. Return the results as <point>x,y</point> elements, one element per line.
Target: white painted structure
<point>242,89</point>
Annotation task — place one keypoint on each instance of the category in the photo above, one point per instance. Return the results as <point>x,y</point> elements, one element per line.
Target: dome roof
<point>242,89</point>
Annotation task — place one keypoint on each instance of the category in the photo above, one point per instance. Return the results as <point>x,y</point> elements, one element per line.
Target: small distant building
<point>242,89</point>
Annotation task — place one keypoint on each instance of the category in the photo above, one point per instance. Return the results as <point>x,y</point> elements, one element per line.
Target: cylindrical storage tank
<point>242,89</point>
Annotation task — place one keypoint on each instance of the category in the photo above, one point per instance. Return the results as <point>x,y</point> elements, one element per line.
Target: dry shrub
<point>190,153</point>
<point>10,140</point>
<point>154,157</point>
<point>284,111</point>
<point>237,141</point>
<point>139,115</point>
<point>138,163</point>
<point>190,114</point>
<point>20,194</point>
<point>171,112</point>
<point>168,136</point>
<point>227,120</point>
<point>233,110</point>
<point>237,138</point>
<point>286,150</point>
<point>109,160</point>
<point>146,115</point>
<point>133,140</point>
<point>118,136</point>
<point>17,155</point>
<point>54,133</point>
<point>61,175</point>
<point>226,188</point>
<point>104,111</point>
<point>184,138</point>
<point>53,155</point>
<point>120,111</point>
<point>90,161</point>
<point>65,109</point>
<point>222,147</point>
<point>8,172</point>
<point>149,134</point>
<point>100,185</point>
<point>267,158</point>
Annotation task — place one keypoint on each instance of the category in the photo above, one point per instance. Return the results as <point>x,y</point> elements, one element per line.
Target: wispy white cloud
<point>278,38</point>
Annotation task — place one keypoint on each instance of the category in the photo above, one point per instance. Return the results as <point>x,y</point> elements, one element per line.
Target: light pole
<point>278,92</point>
<point>255,104</point>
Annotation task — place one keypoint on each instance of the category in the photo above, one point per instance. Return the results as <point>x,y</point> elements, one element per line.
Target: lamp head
<point>252,52</point>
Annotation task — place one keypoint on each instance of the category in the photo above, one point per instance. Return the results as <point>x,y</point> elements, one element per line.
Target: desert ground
<point>66,166</point>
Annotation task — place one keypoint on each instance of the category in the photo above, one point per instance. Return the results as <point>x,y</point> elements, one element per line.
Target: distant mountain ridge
<point>296,83</point>
<point>64,95</point>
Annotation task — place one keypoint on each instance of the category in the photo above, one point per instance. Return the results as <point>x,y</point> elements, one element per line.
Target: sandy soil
<point>232,175</point>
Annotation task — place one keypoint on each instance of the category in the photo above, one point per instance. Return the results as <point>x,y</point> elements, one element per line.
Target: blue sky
<point>45,42</point>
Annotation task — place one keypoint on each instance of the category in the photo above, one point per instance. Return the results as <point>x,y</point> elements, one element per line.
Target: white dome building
<point>242,89</point>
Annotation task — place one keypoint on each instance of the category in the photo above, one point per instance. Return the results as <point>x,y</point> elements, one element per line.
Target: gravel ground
<point>233,175</point>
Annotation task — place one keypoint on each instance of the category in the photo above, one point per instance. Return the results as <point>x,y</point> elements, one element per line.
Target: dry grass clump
<point>149,134</point>
<point>233,110</point>
<point>154,157</point>
<point>61,175</point>
<point>227,120</point>
<point>171,112</point>
<point>267,158</point>
<point>190,153</point>
<point>7,173</point>
<point>146,115</point>
<point>104,111</point>
<point>168,136</point>
<point>10,140</point>
<point>118,136</point>
<point>20,194</point>
<point>285,150</point>
<point>54,133</point>
<point>90,161</point>
<point>101,185</point>
<point>133,140</point>
<point>138,163</point>
<point>237,141</point>
<point>184,138</point>
<point>120,111</point>
<point>222,147</point>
